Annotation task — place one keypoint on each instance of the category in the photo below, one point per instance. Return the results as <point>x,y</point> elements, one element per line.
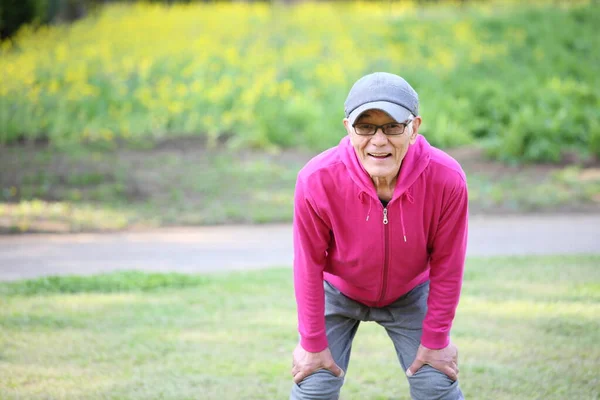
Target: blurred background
<point>124,116</point>
<point>129,114</point>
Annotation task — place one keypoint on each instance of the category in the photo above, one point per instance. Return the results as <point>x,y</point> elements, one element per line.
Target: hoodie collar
<point>414,163</point>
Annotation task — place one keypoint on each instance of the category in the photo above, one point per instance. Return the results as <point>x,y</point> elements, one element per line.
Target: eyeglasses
<point>390,129</point>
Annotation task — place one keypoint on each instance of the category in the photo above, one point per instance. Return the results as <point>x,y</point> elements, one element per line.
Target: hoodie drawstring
<point>361,197</point>
<point>411,200</point>
<point>407,194</point>
<point>402,221</point>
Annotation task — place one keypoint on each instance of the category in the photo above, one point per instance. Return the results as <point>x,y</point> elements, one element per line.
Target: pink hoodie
<point>341,235</point>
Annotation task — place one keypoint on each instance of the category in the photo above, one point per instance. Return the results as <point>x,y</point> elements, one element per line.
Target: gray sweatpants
<point>403,322</point>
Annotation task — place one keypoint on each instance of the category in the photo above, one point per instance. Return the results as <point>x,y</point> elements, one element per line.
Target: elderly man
<point>380,233</point>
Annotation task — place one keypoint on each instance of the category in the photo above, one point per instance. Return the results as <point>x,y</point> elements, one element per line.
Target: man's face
<point>382,155</point>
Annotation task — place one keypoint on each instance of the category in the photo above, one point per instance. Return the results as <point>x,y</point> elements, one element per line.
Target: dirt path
<point>209,249</point>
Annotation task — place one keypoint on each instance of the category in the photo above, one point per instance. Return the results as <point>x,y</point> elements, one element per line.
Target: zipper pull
<point>385,218</point>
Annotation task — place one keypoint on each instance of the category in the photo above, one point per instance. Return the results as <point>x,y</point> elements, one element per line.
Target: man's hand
<point>305,363</point>
<point>444,360</point>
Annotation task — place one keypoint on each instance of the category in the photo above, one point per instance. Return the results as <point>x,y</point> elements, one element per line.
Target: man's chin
<point>375,172</point>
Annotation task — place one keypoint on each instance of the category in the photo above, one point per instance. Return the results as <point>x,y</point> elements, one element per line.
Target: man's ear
<point>416,123</point>
<point>347,126</point>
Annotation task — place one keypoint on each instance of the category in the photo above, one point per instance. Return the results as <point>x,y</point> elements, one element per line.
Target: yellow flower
<point>107,134</point>
<point>181,90</point>
<point>204,64</point>
<point>175,107</point>
<point>53,86</point>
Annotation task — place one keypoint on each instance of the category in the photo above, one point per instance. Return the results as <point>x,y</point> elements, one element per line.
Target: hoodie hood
<point>414,163</point>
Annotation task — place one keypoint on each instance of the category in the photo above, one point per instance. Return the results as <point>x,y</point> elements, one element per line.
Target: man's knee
<point>322,385</point>
<point>431,384</point>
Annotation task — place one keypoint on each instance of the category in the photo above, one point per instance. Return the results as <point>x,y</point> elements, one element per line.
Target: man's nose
<point>379,138</point>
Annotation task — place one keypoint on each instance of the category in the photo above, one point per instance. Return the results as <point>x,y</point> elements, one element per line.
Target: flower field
<point>521,80</point>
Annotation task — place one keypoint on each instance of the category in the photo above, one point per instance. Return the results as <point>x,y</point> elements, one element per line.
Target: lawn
<point>184,182</point>
<point>527,328</point>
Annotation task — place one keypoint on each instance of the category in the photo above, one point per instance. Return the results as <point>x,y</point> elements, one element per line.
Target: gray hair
<point>409,125</point>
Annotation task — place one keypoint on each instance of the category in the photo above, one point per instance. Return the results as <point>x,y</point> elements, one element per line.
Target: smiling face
<point>382,155</point>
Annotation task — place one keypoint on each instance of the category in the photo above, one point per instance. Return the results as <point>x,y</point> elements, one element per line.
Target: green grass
<point>142,188</point>
<point>186,182</point>
<point>527,328</point>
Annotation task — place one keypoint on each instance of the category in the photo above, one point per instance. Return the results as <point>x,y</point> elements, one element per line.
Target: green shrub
<point>520,79</point>
<point>543,97</point>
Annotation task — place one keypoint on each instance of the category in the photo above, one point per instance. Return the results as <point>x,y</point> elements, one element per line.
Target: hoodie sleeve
<point>311,239</point>
<point>447,264</point>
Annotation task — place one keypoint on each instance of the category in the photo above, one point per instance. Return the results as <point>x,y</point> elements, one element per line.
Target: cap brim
<point>398,113</point>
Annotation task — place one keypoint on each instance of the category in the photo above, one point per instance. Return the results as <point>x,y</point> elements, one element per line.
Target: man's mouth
<point>380,156</point>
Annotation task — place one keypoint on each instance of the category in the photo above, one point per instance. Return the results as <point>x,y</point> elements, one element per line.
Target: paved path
<point>208,249</point>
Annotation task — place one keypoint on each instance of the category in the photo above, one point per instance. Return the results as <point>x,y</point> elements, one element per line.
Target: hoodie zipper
<point>386,233</point>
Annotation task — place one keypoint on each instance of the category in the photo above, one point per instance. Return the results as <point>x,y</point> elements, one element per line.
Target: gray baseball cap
<point>382,91</point>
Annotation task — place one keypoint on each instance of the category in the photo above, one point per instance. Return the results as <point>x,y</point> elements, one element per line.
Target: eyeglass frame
<point>377,127</point>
